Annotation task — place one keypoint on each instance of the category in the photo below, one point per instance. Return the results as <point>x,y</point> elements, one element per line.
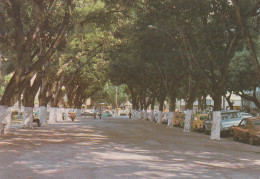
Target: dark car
<point>247,130</point>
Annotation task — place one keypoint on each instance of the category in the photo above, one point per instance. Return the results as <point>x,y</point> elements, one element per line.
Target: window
<point>242,123</point>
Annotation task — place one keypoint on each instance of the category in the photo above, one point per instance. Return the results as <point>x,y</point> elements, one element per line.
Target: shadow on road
<point>121,148</point>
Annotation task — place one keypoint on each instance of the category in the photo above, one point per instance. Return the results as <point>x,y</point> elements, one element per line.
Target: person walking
<point>100,113</point>
<point>130,114</point>
<point>95,114</point>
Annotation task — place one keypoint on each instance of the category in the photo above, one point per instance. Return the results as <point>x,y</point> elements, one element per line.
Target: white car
<point>244,115</point>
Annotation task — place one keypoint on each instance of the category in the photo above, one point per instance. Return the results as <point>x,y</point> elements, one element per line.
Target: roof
<point>229,111</point>
<point>253,118</point>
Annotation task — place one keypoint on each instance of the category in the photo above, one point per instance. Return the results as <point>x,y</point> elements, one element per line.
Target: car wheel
<point>235,137</point>
<point>251,141</point>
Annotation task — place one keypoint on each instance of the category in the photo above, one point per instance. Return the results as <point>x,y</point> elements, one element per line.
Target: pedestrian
<point>95,114</point>
<point>100,113</point>
<point>130,114</point>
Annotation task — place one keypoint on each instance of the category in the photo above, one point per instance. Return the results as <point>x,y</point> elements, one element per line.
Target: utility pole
<point>116,112</point>
<point>116,97</point>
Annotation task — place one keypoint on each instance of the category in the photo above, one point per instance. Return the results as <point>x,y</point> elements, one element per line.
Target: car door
<point>239,130</point>
<point>244,130</point>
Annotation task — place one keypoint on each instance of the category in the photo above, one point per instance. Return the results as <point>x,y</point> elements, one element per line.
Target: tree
<point>241,73</point>
<point>248,19</point>
<point>31,36</point>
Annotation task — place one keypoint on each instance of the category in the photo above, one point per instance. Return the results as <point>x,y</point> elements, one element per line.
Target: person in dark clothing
<point>100,113</point>
<point>130,114</point>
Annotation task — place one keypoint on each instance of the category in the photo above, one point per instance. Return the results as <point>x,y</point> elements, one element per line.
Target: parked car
<point>228,118</point>
<point>244,115</point>
<point>87,114</point>
<point>198,122</point>
<point>107,114</point>
<point>165,118</point>
<point>123,113</point>
<point>247,130</point>
<point>178,119</point>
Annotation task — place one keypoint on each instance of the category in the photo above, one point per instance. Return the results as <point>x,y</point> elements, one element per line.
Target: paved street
<point>122,148</point>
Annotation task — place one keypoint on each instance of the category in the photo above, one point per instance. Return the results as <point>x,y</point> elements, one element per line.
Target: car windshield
<point>243,122</point>
<point>245,114</point>
<point>226,116</point>
<point>256,123</point>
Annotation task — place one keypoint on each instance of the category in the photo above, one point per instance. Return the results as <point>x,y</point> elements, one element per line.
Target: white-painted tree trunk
<point>5,119</point>
<point>160,115</point>
<point>152,115</point>
<point>170,119</point>
<point>134,114</point>
<point>141,114</point>
<point>43,114</point>
<point>59,114</point>
<point>187,123</point>
<point>215,130</point>
<point>78,112</point>
<point>19,113</point>
<point>2,116</point>
<point>137,114</point>
<point>66,116</point>
<point>145,115</point>
<point>28,117</point>
<point>53,115</point>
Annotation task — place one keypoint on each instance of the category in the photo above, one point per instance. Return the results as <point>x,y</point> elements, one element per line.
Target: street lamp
<point>151,27</point>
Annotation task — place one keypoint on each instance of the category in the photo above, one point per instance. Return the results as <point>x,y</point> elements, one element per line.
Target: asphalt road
<point>122,148</point>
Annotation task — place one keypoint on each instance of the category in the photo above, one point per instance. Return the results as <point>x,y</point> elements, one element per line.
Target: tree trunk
<point>53,115</point>
<point>152,109</point>
<point>44,98</point>
<point>13,90</point>
<point>43,114</point>
<point>171,110</point>
<point>55,112</point>
<point>190,101</point>
<point>78,112</point>
<point>200,104</point>
<point>230,104</point>
<point>19,108</point>
<point>28,117</point>
<point>141,109</point>
<point>29,94</point>
<point>215,130</point>
<point>253,98</point>
<point>249,41</point>
<point>5,119</point>
<point>145,111</point>
<point>146,105</point>
<point>161,105</point>
<point>204,103</point>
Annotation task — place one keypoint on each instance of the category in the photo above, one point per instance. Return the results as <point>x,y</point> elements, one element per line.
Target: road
<point>122,148</point>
